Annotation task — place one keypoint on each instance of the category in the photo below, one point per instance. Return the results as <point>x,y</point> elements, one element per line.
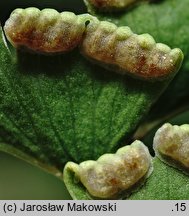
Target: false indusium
<point>171,144</point>
<point>112,47</point>
<point>114,175</point>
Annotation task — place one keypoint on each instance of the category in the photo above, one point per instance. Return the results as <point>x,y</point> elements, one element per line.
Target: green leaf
<point>75,188</point>
<point>167,22</point>
<point>61,108</point>
<point>164,183</point>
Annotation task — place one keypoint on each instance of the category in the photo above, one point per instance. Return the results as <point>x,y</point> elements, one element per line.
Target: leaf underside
<point>55,109</point>
<point>167,21</point>
<point>62,108</point>
<point>165,183</point>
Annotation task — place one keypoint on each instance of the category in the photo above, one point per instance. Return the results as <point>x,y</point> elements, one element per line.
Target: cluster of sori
<point>118,49</point>
<point>114,48</point>
<point>113,176</point>
<point>171,145</point>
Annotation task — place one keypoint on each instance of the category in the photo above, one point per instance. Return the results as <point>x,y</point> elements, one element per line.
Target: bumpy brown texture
<point>171,144</point>
<point>115,48</point>
<point>45,31</point>
<point>121,50</point>
<point>113,174</point>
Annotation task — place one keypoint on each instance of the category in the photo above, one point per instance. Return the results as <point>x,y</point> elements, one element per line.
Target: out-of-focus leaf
<point>62,108</point>
<point>22,181</point>
<point>167,21</point>
<point>164,183</point>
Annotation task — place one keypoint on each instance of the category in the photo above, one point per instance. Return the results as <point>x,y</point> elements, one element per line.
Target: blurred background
<point>20,180</point>
<point>6,7</point>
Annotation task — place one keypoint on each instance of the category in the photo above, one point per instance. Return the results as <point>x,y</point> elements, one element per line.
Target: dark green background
<point>20,180</point>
